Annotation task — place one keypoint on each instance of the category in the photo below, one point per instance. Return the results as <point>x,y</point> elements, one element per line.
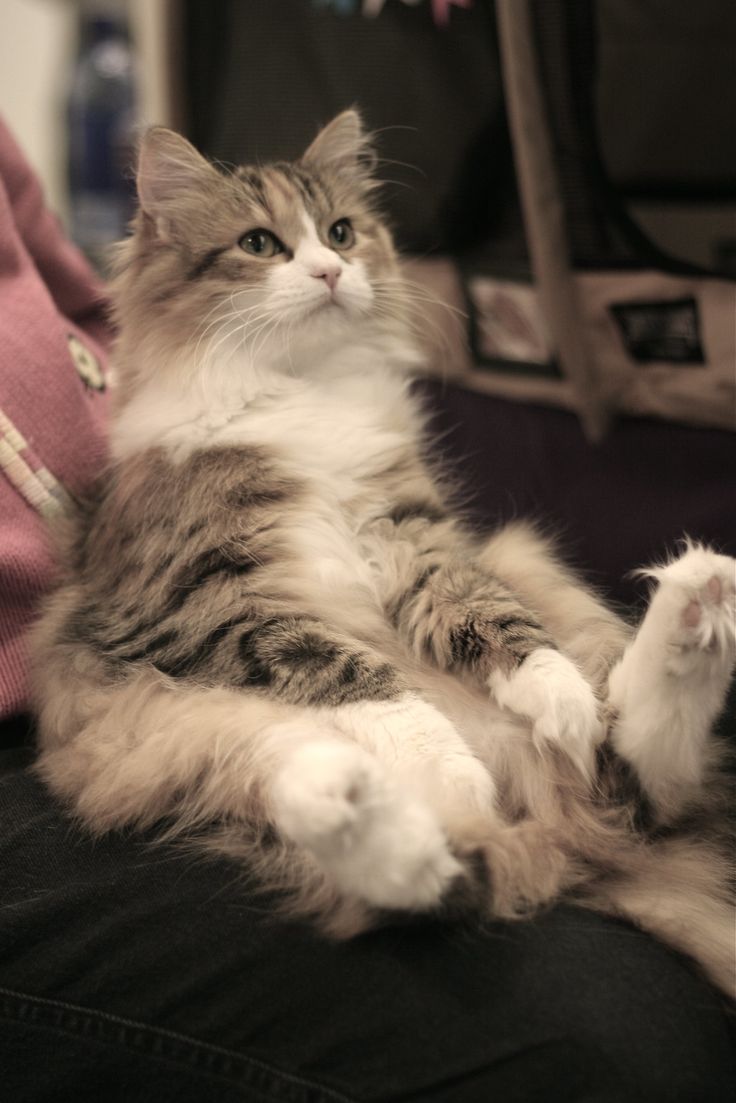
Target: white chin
<point>325,312</point>
<point>328,312</point>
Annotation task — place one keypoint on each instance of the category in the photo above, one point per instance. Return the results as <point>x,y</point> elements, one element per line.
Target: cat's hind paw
<point>694,611</point>
<point>374,842</point>
<point>551,692</point>
<point>672,680</point>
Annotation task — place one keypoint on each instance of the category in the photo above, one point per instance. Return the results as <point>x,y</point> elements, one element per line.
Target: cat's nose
<point>329,273</point>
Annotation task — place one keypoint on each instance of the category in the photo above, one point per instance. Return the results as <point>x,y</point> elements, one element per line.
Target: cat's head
<point>265,260</point>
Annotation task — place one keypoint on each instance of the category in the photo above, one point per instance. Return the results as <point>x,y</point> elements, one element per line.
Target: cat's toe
<point>695,605</point>
<point>709,617</point>
<point>323,793</point>
<point>417,877</point>
<point>403,861</point>
<point>575,729</point>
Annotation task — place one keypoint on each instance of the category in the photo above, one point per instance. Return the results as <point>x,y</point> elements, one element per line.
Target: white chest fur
<point>336,433</point>
<point>338,436</point>
<point>339,439</point>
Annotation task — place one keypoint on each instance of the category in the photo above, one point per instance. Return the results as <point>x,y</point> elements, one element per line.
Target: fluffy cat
<point>273,636</point>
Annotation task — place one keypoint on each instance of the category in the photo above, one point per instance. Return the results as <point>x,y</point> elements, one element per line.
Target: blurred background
<point>254,78</point>
<point>76,80</point>
<point>563,172</point>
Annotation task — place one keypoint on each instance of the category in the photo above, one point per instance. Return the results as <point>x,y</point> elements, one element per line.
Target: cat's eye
<point>261,243</point>
<point>341,234</point>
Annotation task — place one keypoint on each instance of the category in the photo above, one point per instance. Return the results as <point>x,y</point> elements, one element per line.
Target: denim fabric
<point>131,973</point>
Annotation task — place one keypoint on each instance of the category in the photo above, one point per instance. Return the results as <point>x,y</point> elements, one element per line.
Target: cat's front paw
<point>549,690</point>
<point>374,842</point>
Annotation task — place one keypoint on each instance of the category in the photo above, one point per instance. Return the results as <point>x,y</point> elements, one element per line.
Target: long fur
<point>273,635</point>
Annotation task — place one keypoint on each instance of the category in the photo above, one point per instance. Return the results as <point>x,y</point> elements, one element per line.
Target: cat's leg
<point>377,842</point>
<point>306,661</point>
<point>146,750</point>
<point>423,752</point>
<point>593,635</point>
<point>307,665</point>
<point>452,607</point>
<point>671,683</point>
<point>360,694</point>
<point>302,660</point>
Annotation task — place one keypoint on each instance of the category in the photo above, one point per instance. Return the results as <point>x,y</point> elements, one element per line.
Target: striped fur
<point>273,635</point>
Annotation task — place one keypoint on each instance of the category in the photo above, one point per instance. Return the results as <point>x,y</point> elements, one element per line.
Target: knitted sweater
<point>53,402</point>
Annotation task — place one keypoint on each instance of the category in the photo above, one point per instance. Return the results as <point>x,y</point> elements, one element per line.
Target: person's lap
<point>132,972</point>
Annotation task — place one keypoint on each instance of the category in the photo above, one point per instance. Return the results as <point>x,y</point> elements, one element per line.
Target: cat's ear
<point>343,147</point>
<point>170,172</point>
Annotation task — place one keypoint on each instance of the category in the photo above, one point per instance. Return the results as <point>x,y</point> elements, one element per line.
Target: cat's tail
<point>676,881</point>
<point>678,889</point>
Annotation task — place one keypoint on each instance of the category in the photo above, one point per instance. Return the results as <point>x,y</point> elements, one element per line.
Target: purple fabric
<point>53,406</point>
<point>617,505</point>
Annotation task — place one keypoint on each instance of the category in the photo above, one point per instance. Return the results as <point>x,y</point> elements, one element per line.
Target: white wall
<point>37,43</point>
<point>37,47</point>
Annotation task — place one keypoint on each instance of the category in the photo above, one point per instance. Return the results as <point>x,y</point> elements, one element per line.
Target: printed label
<point>668,331</point>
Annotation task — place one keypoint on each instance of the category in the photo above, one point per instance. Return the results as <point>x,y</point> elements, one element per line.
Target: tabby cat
<point>272,635</point>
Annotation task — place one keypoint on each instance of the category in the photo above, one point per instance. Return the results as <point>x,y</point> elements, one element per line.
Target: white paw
<point>693,613</point>
<point>323,792</point>
<point>551,692</point>
<point>671,682</point>
<point>373,841</point>
<point>459,787</point>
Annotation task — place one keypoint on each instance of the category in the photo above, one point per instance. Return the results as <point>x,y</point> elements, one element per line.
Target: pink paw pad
<point>692,614</point>
<point>715,589</point>
<point>712,592</point>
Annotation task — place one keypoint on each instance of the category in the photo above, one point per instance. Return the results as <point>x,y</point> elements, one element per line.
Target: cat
<point>273,635</point>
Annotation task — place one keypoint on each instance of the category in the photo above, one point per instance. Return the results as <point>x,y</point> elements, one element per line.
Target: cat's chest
<point>343,445</point>
<point>344,449</point>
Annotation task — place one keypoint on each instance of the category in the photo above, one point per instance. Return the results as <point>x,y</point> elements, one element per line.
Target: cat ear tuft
<point>169,170</point>
<point>344,147</point>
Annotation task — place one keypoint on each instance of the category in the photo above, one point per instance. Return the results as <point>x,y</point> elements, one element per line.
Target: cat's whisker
<point>256,325</point>
<point>264,332</point>
<point>417,322</point>
<point>229,302</point>
<point>218,339</point>
<point>217,325</point>
<point>287,344</point>
<point>234,312</point>
<point>421,307</point>
<point>245,323</point>
<point>398,183</point>
<point>409,286</point>
<point>419,318</point>
<point>409,290</point>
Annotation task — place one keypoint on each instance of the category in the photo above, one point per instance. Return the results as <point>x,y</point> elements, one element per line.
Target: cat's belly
<point>488,729</point>
<point>341,585</point>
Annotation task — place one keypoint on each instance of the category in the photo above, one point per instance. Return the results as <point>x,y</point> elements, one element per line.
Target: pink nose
<point>329,275</point>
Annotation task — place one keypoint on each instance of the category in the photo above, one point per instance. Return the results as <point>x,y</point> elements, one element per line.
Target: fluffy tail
<point>679,891</point>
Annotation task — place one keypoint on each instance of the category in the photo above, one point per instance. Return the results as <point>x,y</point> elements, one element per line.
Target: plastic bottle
<point>101,116</point>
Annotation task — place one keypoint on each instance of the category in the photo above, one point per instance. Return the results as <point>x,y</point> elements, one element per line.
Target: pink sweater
<point>53,346</point>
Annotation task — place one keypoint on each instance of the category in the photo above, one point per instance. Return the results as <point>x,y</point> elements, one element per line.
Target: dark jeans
<point>133,973</point>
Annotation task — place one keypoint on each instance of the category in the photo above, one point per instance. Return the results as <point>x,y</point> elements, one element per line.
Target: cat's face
<point>260,258</point>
